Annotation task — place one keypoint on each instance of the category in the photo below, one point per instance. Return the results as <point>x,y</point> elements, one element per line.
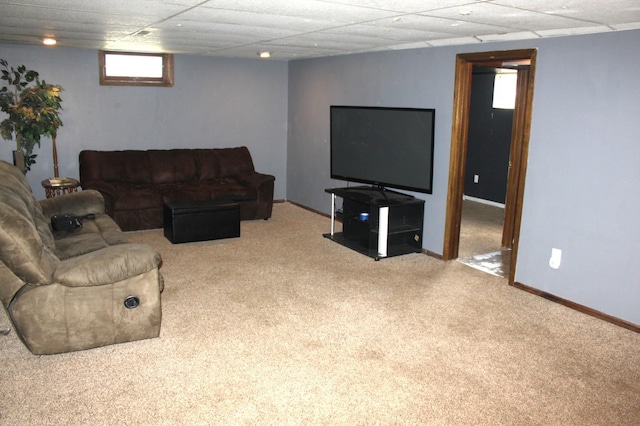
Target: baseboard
<point>432,254</point>
<point>302,206</point>
<point>580,308</point>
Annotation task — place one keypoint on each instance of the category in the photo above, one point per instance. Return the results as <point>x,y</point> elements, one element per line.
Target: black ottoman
<point>201,221</point>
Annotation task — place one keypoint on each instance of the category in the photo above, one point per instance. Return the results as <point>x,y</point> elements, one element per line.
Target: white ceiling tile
<point>415,45</point>
<point>61,15</point>
<point>302,28</point>
<point>405,6</point>
<point>148,8</point>
<point>305,9</point>
<point>454,41</point>
<point>452,27</point>
<point>204,16</point>
<point>595,11</point>
<point>514,18</point>
<point>525,35</point>
<point>626,26</point>
<point>574,31</point>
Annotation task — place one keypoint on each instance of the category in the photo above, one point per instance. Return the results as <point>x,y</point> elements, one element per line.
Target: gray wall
<point>214,103</point>
<point>581,187</point>
<point>392,79</point>
<point>581,190</point>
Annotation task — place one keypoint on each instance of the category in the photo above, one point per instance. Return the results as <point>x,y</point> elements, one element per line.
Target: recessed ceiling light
<point>48,41</point>
<point>264,55</point>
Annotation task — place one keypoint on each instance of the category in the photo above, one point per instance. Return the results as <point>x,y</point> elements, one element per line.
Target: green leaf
<point>32,107</point>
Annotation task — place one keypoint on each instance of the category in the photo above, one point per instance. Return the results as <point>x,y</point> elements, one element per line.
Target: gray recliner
<point>68,291</point>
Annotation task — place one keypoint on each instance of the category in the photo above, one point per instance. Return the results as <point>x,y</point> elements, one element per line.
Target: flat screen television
<point>384,147</point>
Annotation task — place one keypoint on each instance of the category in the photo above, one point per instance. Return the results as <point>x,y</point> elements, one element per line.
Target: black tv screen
<point>385,147</point>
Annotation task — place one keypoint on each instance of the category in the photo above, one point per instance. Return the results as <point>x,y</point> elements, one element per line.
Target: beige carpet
<point>282,326</point>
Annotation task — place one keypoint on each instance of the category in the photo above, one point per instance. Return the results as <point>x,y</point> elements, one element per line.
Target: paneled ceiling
<point>294,29</point>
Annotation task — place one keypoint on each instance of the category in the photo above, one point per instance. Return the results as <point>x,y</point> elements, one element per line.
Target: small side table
<point>59,186</point>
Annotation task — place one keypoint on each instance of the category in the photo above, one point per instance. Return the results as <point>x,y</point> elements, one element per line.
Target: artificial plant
<point>33,109</point>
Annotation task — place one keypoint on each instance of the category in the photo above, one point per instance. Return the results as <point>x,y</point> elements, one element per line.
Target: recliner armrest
<point>107,266</point>
<point>81,203</point>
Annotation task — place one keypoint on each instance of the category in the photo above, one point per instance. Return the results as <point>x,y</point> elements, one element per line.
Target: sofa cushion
<point>136,199</point>
<point>207,162</point>
<point>234,161</point>
<point>125,166</point>
<point>21,247</point>
<point>95,234</point>
<point>225,188</point>
<point>186,194</point>
<point>171,166</point>
<point>16,183</point>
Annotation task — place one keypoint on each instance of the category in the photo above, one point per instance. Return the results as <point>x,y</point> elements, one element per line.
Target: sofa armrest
<point>256,180</point>
<point>107,189</point>
<point>263,185</point>
<point>80,203</point>
<point>108,265</point>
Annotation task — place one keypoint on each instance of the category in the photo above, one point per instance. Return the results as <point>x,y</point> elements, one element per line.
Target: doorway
<point>519,146</point>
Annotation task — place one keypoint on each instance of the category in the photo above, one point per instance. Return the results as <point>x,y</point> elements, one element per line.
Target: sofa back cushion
<point>21,247</point>
<point>15,182</point>
<point>172,166</point>
<point>234,161</point>
<point>128,166</point>
<point>208,163</point>
<point>26,242</point>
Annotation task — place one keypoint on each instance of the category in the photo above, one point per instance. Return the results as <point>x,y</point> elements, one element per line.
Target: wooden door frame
<point>519,148</point>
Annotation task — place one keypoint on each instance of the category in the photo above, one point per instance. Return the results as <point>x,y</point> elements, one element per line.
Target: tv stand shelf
<point>377,222</point>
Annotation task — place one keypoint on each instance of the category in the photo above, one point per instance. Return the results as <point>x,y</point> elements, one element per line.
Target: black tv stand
<point>377,222</point>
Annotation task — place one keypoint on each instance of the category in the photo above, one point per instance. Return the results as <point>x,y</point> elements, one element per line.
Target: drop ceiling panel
<point>406,6</point>
<point>280,51</point>
<point>302,28</point>
<point>450,27</point>
<point>203,17</point>
<point>595,11</point>
<point>380,36</point>
<point>64,29</point>
<point>153,8</point>
<point>305,9</point>
<point>225,30</point>
<point>61,15</point>
<point>506,16</point>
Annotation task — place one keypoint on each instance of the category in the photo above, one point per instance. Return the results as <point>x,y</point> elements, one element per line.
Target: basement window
<point>135,69</point>
<point>504,89</point>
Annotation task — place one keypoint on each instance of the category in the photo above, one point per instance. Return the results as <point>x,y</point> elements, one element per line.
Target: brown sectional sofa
<point>136,184</point>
